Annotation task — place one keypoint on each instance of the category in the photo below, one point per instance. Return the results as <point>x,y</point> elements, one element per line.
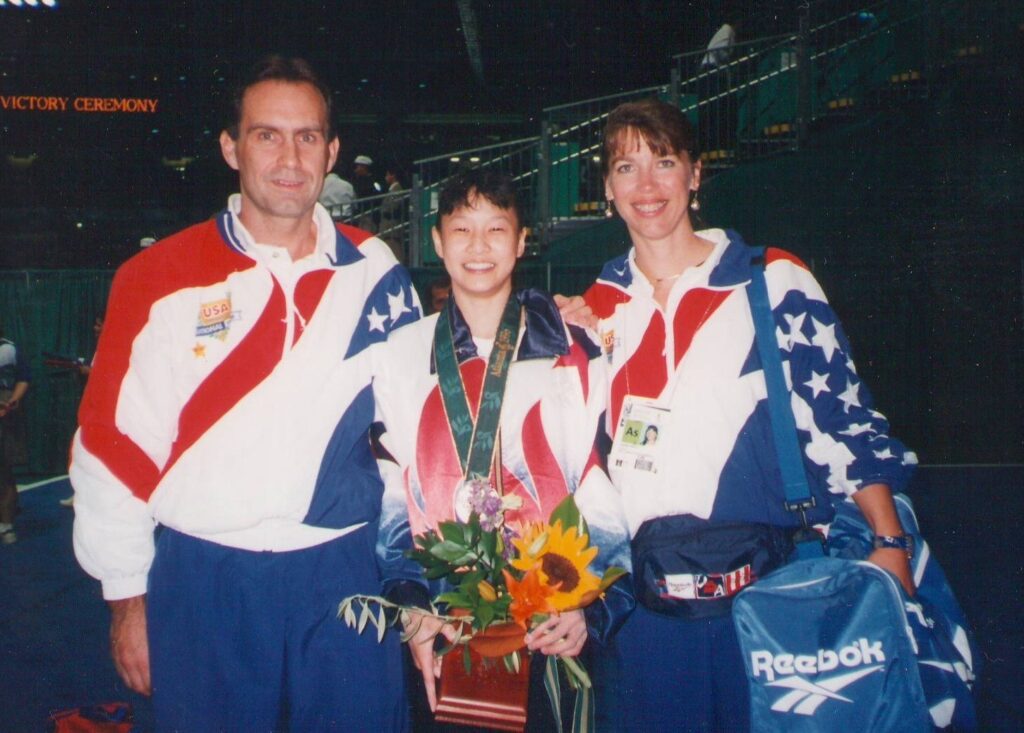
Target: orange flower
<point>529,596</point>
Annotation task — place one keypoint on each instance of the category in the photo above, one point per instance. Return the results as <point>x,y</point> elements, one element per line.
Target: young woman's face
<point>480,244</point>
<point>651,192</point>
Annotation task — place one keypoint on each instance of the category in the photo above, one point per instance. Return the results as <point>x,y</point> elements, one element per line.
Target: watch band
<point>893,542</point>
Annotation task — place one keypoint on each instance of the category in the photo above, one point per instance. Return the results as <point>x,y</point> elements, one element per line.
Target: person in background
<point>393,214</point>
<point>362,177</point>
<point>14,382</point>
<point>230,404</point>
<point>84,370</point>
<point>678,336</point>
<point>366,187</point>
<point>337,196</point>
<point>440,291</point>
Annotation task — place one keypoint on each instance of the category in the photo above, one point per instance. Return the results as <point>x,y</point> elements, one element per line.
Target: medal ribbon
<point>475,441</point>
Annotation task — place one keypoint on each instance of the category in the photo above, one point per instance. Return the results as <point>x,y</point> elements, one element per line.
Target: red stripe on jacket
<point>195,257</point>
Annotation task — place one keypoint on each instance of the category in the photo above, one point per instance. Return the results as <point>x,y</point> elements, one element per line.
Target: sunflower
<point>563,559</point>
<point>529,596</point>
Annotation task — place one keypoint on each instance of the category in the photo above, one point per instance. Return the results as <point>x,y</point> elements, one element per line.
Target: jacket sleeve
<point>846,442</point>
<point>127,423</point>
<point>402,579</point>
<point>601,505</point>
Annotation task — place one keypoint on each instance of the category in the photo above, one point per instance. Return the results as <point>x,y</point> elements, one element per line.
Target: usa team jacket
<point>230,396</point>
<point>550,419</point>
<point>698,358</point>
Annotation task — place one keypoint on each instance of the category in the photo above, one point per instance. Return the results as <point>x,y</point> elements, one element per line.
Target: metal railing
<point>386,215</point>
<point>571,144</point>
<point>518,158</point>
<point>756,98</point>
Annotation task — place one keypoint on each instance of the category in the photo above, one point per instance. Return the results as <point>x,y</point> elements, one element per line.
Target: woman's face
<point>651,192</point>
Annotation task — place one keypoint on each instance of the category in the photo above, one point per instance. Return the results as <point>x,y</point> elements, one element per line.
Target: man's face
<point>282,152</point>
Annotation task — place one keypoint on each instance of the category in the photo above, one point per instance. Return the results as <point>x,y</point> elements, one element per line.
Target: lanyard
<point>475,440</point>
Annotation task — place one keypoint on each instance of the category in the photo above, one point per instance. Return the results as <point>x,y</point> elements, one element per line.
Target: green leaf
<point>569,513</point>
<point>453,532</point>
<point>610,576</point>
<point>438,571</point>
<point>485,614</point>
<point>382,624</point>
<point>575,672</point>
<point>454,598</point>
<point>448,551</point>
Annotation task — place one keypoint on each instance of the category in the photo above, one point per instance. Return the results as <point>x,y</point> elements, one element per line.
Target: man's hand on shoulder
<point>575,311</point>
<point>129,642</point>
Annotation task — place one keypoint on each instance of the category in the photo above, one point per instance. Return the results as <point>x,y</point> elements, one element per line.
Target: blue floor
<point>53,622</point>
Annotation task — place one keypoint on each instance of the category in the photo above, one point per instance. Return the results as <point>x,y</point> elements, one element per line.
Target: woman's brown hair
<point>665,129</point>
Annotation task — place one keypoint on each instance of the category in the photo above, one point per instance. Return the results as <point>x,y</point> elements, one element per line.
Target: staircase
<point>844,61</point>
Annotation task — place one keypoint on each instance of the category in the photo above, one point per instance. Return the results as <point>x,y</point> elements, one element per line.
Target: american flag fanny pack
<point>692,568</point>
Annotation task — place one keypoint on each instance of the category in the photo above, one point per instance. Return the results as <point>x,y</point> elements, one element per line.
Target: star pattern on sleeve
<point>825,338</point>
<point>844,434</point>
<point>796,334</point>
<point>376,320</point>
<point>818,383</point>
<point>857,428</point>
<point>850,397</point>
<point>397,306</point>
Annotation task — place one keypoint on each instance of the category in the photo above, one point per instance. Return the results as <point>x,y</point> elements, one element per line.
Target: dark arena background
<point>879,141</point>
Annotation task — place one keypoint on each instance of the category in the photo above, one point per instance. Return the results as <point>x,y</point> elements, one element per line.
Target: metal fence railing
<point>518,158</point>
<point>748,100</point>
<point>386,215</point>
<point>571,144</point>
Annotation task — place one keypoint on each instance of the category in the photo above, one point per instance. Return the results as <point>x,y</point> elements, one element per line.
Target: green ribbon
<point>475,440</point>
<point>583,709</point>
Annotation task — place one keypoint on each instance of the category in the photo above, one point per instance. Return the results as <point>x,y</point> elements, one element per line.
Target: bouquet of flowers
<point>501,580</point>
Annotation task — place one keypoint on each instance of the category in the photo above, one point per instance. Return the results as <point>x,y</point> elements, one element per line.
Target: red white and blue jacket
<point>698,358</point>
<point>551,418</point>
<point>230,396</point>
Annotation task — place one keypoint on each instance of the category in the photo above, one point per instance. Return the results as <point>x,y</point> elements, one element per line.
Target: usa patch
<point>214,318</point>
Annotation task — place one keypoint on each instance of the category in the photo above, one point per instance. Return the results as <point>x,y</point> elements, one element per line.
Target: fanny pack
<point>691,568</point>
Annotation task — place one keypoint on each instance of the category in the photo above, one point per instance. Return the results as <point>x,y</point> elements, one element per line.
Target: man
<point>365,187</point>
<point>14,380</point>
<point>362,178</point>
<point>337,196</point>
<point>230,404</point>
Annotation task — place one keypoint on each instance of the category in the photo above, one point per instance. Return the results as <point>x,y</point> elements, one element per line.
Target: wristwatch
<point>892,542</point>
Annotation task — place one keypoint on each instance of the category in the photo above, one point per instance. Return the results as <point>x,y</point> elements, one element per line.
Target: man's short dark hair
<point>279,68</point>
<point>493,185</point>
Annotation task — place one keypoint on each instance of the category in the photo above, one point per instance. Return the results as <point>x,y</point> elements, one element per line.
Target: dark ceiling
<point>387,61</point>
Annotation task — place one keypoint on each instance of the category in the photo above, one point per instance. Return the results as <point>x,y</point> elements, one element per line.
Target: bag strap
<point>794,480</point>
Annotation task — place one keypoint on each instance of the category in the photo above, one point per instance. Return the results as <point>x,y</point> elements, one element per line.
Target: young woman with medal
<point>692,451</point>
<point>494,399</point>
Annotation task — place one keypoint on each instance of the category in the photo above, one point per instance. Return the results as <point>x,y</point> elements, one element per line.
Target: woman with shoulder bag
<point>705,502</point>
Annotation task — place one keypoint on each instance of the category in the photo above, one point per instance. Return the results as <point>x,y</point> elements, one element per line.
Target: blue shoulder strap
<point>794,480</point>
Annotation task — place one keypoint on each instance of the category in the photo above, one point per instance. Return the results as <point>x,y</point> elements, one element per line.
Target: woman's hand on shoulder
<point>575,311</point>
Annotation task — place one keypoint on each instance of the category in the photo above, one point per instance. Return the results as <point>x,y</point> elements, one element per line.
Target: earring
<point>694,203</point>
<point>609,210</point>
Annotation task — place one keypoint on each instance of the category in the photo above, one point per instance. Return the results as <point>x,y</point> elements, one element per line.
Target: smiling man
<point>229,405</point>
